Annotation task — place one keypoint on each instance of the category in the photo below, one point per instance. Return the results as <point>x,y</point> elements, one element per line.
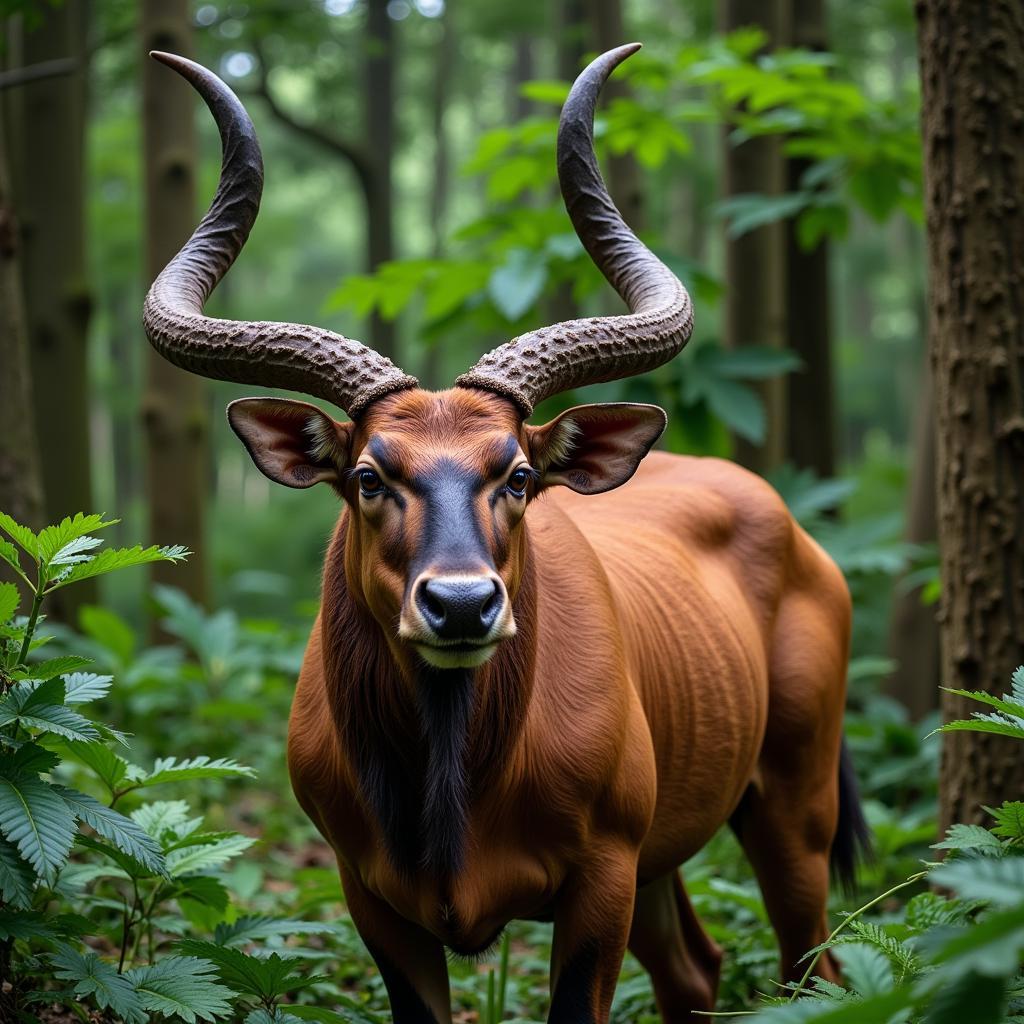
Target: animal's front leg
<point>592,918</point>
<point>410,960</point>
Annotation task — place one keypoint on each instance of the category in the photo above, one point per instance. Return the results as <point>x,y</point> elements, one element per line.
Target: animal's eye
<point>517,482</point>
<point>370,483</point>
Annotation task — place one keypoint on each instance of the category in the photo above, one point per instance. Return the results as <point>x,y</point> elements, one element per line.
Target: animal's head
<point>437,484</point>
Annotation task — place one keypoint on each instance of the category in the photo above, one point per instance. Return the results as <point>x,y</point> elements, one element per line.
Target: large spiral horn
<point>568,355</point>
<point>298,357</point>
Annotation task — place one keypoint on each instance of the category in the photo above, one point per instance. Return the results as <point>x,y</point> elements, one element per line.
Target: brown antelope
<point>533,692</point>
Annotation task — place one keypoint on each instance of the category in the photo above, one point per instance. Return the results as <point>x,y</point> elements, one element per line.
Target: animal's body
<point>548,665</point>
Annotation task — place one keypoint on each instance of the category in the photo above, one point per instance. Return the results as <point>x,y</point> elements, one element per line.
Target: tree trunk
<point>624,178</point>
<point>755,263</point>
<point>51,201</point>
<point>21,494</point>
<point>379,73</point>
<point>972,76</point>
<point>810,412</point>
<point>914,627</point>
<point>173,408</point>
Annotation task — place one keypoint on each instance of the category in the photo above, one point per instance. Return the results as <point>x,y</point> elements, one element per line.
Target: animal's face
<point>437,485</point>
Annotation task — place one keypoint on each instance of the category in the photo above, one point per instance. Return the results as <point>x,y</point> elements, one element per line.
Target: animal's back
<point>700,555</point>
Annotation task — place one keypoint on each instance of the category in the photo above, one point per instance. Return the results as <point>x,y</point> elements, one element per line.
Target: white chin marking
<point>446,657</point>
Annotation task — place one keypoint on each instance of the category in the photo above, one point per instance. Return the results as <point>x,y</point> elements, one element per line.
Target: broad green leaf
<point>181,986</point>
<point>972,997</point>
<point>170,769</point>
<point>252,929</point>
<point>737,406</point>
<point>72,554</point>
<point>991,946</point>
<point>27,924</point>
<point>203,858</point>
<point>987,724</point>
<point>100,979</point>
<point>43,670</point>
<point>111,769</point>
<point>34,817</point>
<point>17,879</point>
<point>21,535</point>
<point>42,707</point>
<point>9,600</point>
<point>84,687</point>
<point>29,757</point>
<point>750,362</point>
<point>517,284</point>
<point>1006,704</point>
<point>52,539</point>
<point>264,977</point>
<point>127,835</point>
<point>970,837</point>
<point>355,1013</point>
<point>120,558</point>
<point>279,1016</point>
<point>1001,882</point>
<point>747,212</point>
<point>203,889</point>
<point>163,816</point>
<point>108,630</point>
<point>127,867</point>
<point>9,554</point>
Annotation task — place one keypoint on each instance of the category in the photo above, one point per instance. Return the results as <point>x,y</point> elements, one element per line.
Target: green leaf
<point>747,212</point>
<point>357,1013</point>
<point>972,997</point>
<point>21,535</point>
<point>120,558</point>
<point>252,929</point>
<point>96,977</point>
<point>517,284</point>
<point>42,707</point>
<point>866,969</point>
<point>203,858</point>
<point>9,554</point>
<point>54,538</point>
<point>263,977</point>
<point>1001,882</point>
<point>34,817</point>
<point>43,670</point>
<point>1009,819</point>
<point>181,986</point>
<point>84,687</point>
<point>27,924</point>
<point>125,834</point>
<point>737,406</point>
<point>970,837</point>
<point>750,362</point>
<point>279,1016</point>
<point>9,600</point>
<point>17,879</point>
<point>108,766</point>
<point>109,630</point>
<point>162,816</point>
<point>71,554</point>
<point>170,769</point>
<point>991,946</point>
<point>30,757</point>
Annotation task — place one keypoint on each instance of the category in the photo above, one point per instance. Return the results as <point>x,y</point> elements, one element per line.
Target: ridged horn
<point>568,355</point>
<point>298,357</point>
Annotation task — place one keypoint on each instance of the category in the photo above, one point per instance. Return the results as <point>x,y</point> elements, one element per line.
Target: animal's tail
<point>852,843</point>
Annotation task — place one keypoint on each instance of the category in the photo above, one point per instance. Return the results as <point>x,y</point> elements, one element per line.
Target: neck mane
<point>425,745</point>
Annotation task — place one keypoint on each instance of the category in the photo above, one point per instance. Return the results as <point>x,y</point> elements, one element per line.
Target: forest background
<point>769,152</point>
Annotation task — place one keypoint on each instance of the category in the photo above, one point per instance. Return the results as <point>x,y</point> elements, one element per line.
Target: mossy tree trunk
<point>173,407</point>
<point>972,75</point>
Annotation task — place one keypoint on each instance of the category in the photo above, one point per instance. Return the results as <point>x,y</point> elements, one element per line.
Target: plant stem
<point>845,921</point>
<point>502,977</point>
<point>30,629</point>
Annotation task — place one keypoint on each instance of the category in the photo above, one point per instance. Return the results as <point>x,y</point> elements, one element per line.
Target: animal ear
<point>595,448</point>
<point>293,443</point>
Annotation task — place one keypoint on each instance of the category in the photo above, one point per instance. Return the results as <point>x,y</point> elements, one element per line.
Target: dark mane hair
<point>422,752</point>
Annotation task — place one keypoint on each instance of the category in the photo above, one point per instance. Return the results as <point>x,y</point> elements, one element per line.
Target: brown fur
<point>679,659</point>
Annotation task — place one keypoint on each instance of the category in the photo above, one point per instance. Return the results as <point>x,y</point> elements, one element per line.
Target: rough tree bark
<point>810,414</point>
<point>21,493</point>
<point>755,263</point>
<point>913,628</point>
<point>51,202</point>
<point>174,406</point>
<point>972,75</point>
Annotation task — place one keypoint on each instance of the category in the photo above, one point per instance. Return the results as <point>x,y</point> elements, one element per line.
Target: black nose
<point>459,609</point>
